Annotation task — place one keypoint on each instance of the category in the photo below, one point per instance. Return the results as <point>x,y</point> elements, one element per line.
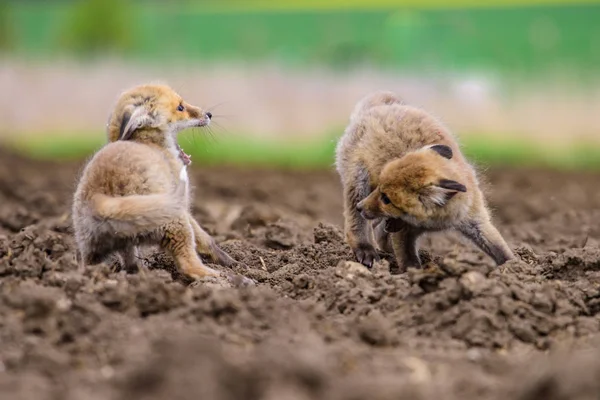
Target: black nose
<point>359,208</point>
<point>209,115</point>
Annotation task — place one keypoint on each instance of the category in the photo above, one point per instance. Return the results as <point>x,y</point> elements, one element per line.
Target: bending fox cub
<point>403,175</point>
<point>135,190</point>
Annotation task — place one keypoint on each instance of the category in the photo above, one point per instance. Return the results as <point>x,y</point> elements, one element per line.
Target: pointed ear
<point>440,193</point>
<point>442,150</point>
<point>133,120</point>
<point>452,185</point>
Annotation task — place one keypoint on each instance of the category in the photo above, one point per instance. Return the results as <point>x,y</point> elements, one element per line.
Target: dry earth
<point>315,326</point>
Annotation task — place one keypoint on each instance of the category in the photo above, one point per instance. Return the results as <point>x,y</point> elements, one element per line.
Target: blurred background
<point>517,80</point>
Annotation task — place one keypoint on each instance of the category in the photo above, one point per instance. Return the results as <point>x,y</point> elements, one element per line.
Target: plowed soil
<point>316,325</point>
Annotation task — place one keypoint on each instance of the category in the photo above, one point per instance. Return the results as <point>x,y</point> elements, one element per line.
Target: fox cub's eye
<point>180,108</point>
<point>385,199</point>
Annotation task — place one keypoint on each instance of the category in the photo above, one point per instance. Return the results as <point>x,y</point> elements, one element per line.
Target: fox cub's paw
<point>366,254</point>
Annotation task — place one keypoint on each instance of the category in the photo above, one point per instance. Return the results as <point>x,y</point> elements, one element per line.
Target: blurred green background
<point>517,80</point>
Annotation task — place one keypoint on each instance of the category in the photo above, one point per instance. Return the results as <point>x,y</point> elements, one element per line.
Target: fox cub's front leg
<point>406,251</point>
<point>206,246</point>
<point>359,233</point>
<point>395,236</point>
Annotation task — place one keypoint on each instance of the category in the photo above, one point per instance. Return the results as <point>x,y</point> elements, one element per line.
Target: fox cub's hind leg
<point>90,255</point>
<point>178,239</point>
<point>359,233</point>
<point>206,246</point>
<point>129,258</point>
<point>483,234</point>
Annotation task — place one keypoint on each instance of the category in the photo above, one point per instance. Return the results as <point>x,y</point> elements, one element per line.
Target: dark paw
<point>366,255</point>
<point>132,269</point>
<point>412,264</point>
<point>225,259</point>
<point>219,257</point>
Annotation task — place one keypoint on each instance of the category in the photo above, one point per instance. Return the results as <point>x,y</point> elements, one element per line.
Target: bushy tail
<point>134,214</point>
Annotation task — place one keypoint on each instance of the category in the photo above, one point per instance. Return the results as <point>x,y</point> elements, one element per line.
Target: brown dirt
<point>316,326</point>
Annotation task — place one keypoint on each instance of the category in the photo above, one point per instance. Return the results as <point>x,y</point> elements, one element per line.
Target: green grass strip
<point>246,151</point>
<point>319,5</point>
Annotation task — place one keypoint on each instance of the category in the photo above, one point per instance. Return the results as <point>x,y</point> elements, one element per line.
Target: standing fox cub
<point>403,175</point>
<point>135,190</point>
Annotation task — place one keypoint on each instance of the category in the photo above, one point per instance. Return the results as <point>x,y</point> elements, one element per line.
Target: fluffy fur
<point>135,190</point>
<point>403,174</point>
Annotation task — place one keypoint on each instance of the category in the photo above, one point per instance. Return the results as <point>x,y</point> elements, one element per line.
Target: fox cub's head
<point>418,188</point>
<point>155,107</point>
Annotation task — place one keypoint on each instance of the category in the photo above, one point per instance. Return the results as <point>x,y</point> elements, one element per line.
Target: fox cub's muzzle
<point>367,210</point>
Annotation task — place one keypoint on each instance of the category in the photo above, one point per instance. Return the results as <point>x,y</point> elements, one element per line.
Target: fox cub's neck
<point>154,137</point>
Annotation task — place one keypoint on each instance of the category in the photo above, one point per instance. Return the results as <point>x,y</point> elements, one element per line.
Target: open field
<point>286,117</point>
<point>314,327</point>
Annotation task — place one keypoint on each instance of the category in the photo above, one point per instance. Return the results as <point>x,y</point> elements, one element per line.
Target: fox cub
<point>403,175</point>
<point>135,190</point>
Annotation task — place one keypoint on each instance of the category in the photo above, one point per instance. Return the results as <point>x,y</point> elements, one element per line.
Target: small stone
<point>63,304</point>
<point>350,270</point>
<point>107,372</point>
<point>111,283</point>
<point>474,354</point>
<point>473,282</point>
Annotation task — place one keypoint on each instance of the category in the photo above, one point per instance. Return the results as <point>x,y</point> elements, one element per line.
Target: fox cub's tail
<point>135,214</point>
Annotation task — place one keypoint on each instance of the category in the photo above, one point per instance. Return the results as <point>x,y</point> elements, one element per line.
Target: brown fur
<point>135,190</point>
<point>397,154</point>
